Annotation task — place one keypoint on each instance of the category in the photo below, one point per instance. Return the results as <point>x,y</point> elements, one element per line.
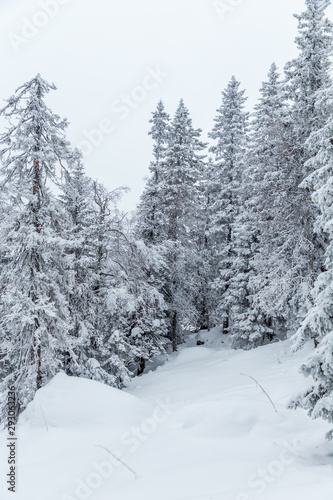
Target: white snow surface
<point>197,428</point>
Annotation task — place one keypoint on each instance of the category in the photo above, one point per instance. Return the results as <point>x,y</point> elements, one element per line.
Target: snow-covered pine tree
<point>318,323</point>
<point>288,255</point>
<point>35,319</point>
<point>230,134</point>
<point>148,212</point>
<point>307,76</point>
<point>181,191</point>
<point>264,182</point>
<point>202,256</point>
<point>247,328</point>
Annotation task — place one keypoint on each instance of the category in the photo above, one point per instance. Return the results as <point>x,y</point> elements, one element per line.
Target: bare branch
<point>261,387</point>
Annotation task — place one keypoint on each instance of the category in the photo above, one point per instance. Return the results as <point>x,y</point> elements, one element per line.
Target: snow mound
<point>192,355</point>
<point>72,401</point>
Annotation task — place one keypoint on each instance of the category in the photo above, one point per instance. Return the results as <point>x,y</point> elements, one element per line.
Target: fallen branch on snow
<point>118,459</point>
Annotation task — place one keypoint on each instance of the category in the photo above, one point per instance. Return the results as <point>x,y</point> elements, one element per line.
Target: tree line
<point>234,233</point>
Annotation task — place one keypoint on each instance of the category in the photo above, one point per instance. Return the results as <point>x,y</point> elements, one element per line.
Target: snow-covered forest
<point>233,235</point>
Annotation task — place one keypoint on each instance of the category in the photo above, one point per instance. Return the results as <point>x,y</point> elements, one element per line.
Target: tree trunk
<point>174,325</point>
<point>142,366</point>
<point>225,325</point>
<point>316,341</point>
<point>39,367</point>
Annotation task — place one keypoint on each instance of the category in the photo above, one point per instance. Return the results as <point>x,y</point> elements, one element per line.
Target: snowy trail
<point>194,429</point>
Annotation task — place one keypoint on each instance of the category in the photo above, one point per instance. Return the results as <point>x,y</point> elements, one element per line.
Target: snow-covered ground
<point>196,428</point>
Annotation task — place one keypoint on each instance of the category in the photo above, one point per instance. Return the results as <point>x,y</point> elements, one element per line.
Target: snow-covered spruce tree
<point>318,323</point>
<point>202,257</point>
<point>288,255</point>
<point>248,329</point>
<point>230,135</point>
<point>265,180</point>
<point>35,319</point>
<point>181,191</point>
<point>307,76</point>
<point>148,212</point>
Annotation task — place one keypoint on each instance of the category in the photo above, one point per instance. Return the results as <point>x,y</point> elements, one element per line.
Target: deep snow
<point>196,428</point>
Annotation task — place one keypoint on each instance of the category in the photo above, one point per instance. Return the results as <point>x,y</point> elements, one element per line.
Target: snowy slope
<point>194,429</point>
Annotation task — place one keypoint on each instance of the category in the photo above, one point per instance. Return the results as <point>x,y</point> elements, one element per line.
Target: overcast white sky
<point>100,52</point>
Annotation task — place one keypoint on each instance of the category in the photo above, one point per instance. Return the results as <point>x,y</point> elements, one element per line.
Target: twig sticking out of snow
<point>261,387</point>
<point>41,409</point>
<point>118,459</point>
